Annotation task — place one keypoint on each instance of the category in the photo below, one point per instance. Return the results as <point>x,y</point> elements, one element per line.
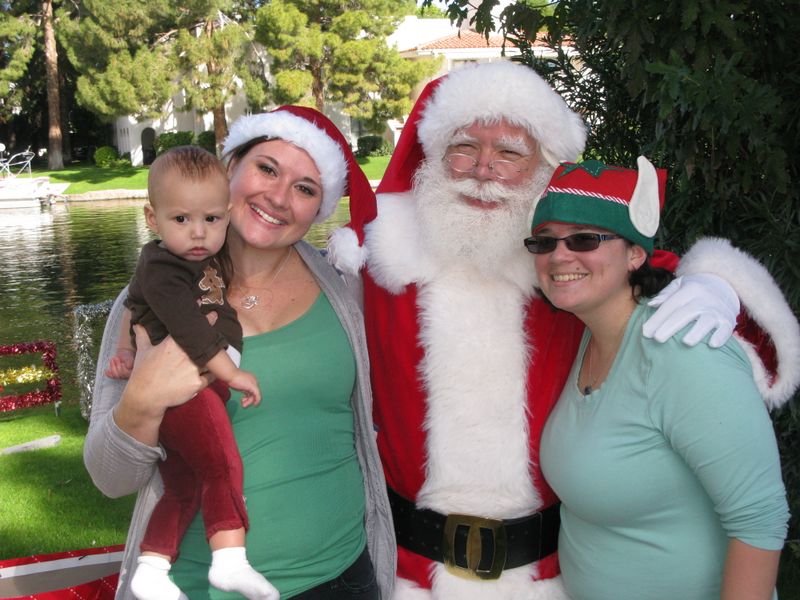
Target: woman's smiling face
<point>580,282</point>
<point>275,192</point>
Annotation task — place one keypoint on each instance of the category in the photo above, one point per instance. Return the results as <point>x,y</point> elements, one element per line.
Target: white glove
<point>706,299</point>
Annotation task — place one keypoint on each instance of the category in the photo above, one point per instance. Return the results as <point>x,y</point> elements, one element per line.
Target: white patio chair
<point>17,164</point>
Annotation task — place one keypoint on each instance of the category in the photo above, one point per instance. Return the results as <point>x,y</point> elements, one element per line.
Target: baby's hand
<point>247,384</point>
<point>121,364</point>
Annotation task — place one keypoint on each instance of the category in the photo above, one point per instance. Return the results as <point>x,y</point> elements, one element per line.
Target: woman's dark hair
<point>648,280</point>
<point>237,153</point>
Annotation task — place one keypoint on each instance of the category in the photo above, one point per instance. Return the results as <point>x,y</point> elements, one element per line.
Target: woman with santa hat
<point>320,525</point>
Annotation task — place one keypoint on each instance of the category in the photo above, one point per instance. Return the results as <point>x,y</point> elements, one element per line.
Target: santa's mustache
<point>485,191</point>
<point>434,181</point>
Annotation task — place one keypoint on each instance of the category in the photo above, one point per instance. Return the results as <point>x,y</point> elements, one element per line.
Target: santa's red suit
<point>465,365</point>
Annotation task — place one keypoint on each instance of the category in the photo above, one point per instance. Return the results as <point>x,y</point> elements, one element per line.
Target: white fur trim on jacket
<point>523,589</point>
<point>475,370</point>
<point>324,151</point>
<point>765,303</point>
<point>502,91</point>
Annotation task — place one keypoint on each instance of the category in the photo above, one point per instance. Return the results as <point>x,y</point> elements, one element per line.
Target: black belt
<point>475,547</point>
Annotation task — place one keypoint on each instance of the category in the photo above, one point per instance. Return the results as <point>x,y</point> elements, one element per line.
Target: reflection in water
<point>55,259</point>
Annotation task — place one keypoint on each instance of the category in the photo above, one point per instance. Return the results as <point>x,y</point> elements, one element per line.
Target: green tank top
<point>302,480</point>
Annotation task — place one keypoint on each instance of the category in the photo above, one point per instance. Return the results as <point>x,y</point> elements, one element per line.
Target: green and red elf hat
<point>625,201</point>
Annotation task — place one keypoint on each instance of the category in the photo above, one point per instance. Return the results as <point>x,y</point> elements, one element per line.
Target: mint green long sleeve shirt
<point>673,456</point>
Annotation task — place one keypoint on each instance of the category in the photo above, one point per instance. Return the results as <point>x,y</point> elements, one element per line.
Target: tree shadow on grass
<point>96,175</point>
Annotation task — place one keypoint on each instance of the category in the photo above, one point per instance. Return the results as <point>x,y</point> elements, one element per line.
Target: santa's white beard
<point>454,232</point>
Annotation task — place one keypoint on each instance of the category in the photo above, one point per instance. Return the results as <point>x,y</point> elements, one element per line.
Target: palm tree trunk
<point>318,86</point>
<point>220,121</point>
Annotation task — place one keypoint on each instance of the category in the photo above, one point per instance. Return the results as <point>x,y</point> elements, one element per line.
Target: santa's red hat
<point>485,92</point>
<point>312,131</point>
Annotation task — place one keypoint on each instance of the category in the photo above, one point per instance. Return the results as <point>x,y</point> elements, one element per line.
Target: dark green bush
<point>373,145</point>
<point>106,157</point>
<point>171,139</point>
<point>207,140</point>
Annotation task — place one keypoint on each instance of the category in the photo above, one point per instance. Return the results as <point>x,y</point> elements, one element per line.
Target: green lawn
<point>88,178</point>
<point>49,503</point>
<point>85,178</point>
<point>374,166</point>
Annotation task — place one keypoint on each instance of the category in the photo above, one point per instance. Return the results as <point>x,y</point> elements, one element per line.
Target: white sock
<point>151,580</point>
<point>231,572</point>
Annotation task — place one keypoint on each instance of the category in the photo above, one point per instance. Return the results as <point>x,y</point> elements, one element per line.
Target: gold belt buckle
<point>474,546</point>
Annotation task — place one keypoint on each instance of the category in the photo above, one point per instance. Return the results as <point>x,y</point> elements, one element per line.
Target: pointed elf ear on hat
<point>645,206</point>
<point>625,201</point>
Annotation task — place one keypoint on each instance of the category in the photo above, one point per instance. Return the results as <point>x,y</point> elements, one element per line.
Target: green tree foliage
<point>18,36</point>
<point>116,47</point>
<point>28,49</point>
<point>709,90</point>
<point>331,51</point>
<point>135,55</point>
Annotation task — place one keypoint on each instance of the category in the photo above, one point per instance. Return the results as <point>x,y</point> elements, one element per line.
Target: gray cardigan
<point>120,465</point>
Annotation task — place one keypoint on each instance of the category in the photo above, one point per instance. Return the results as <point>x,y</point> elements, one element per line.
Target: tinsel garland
<point>52,390</point>
<point>24,375</point>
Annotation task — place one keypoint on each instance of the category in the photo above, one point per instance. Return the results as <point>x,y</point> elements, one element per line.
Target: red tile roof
<point>472,39</point>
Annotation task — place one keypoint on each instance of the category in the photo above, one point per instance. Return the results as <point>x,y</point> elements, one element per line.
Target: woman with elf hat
<point>663,455</point>
<point>320,525</point>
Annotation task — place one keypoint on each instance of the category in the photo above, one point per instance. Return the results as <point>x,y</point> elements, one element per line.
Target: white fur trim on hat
<point>324,151</point>
<point>344,251</point>
<point>765,303</point>
<point>502,91</point>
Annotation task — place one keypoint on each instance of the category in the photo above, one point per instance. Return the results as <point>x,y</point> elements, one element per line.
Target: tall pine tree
<point>133,56</point>
<point>334,51</point>
<point>28,46</point>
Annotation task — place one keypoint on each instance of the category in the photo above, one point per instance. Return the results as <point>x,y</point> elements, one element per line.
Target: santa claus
<point>467,361</point>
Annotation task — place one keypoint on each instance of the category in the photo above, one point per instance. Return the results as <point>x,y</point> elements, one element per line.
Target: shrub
<point>373,145</point>
<point>106,157</point>
<point>171,139</point>
<point>207,140</point>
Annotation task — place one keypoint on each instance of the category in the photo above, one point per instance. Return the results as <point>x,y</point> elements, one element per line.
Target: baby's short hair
<point>190,162</point>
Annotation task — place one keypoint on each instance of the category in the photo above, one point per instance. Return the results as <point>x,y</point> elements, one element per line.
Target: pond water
<point>58,265</point>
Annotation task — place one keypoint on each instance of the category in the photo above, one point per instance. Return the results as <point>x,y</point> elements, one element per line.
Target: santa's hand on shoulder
<point>706,300</point>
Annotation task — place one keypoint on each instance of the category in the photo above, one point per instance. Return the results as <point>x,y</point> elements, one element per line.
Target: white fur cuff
<point>765,303</point>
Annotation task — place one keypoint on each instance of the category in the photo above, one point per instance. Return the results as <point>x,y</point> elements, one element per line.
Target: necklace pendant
<point>587,390</point>
<point>249,302</point>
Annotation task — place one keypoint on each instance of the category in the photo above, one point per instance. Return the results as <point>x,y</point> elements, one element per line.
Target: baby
<point>178,281</point>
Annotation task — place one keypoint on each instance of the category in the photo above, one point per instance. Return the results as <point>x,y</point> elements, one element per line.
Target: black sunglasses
<point>577,242</point>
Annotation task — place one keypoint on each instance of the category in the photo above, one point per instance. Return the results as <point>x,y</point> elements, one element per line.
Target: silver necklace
<point>251,300</point>
<point>588,387</point>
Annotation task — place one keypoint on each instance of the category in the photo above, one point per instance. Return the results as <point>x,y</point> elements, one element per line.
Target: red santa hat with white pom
<point>485,92</point>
